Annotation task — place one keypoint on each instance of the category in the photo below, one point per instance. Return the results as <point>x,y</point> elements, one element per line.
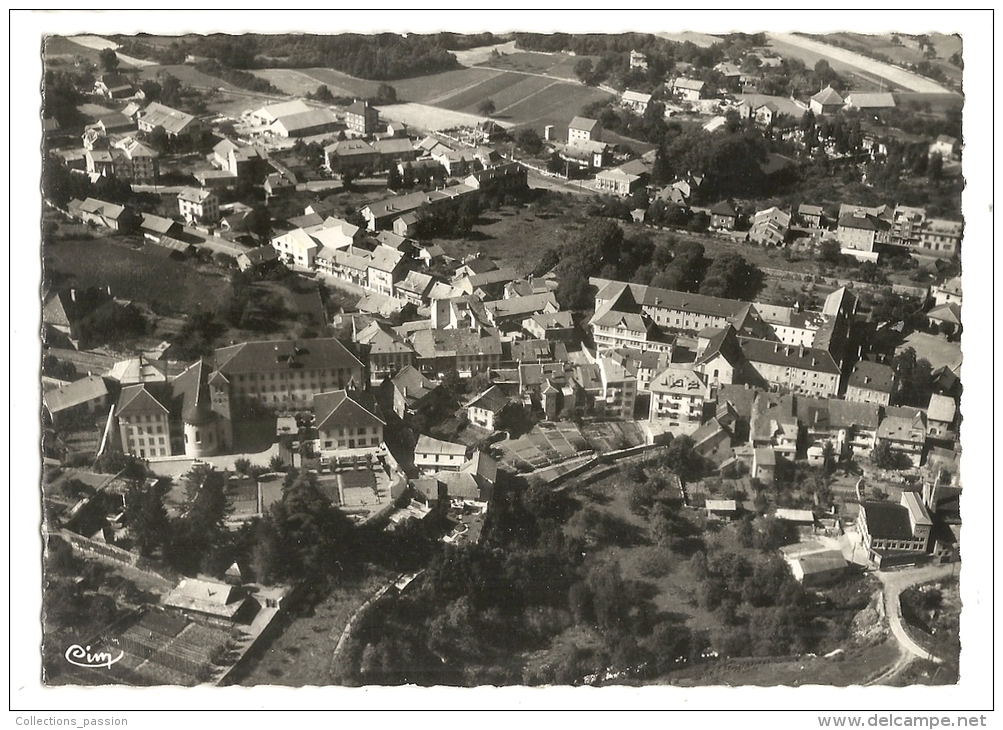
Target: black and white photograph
<point>615,358</point>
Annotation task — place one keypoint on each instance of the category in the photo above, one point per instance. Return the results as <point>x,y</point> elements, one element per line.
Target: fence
<point>111,552</point>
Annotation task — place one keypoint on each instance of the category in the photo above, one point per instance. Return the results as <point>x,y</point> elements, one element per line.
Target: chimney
<point>73,295</point>
<point>801,351</point>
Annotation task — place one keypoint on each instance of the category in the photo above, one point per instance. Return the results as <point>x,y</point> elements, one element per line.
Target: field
<point>520,98</point>
<point>530,62</point>
<point>187,75</point>
<point>859,68</point>
<point>59,46</point>
<point>907,53</point>
<point>131,274</point>
<point>546,444</point>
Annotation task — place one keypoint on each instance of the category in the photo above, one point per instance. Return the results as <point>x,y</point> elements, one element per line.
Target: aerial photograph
<point>508,358</point>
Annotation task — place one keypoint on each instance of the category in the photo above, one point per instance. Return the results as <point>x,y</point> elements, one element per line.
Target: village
<point>366,384</point>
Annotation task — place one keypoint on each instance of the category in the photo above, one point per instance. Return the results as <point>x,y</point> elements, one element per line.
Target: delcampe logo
<point>82,656</point>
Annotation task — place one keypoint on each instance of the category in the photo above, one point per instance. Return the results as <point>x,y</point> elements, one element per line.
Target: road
<point>894,583</point>
<point>897,76</point>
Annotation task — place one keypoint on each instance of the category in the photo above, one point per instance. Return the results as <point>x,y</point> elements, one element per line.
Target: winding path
<point>894,583</point>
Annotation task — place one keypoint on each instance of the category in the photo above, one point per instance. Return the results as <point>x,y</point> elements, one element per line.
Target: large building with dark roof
<point>887,528</point>
<point>348,420</point>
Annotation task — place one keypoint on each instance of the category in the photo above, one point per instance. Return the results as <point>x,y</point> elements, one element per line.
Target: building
<point>764,465</point>
<point>688,89</point>
<point>348,420</point>
<point>904,431</point>
<point>817,569</point>
<point>552,326</point>
<point>770,227</point>
<point>947,293</point>
<point>811,215</point>
<point>870,382</point>
<point>636,101</point>
<point>618,393</point>
<point>362,118</point>
<point>938,237</point>
<point>886,528</point>
<point>719,356</point>
<point>409,391</point>
<point>256,258</point>
<point>432,455</point>
<point>945,146</point>
<point>239,160</point>
<point>86,397</point>
<point>484,410</point>
<point>638,60</point>
<point>176,124</point>
<point>198,206</point>
<point>508,176</point>
<point>791,325</point>
<point>619,181</point>
<point>109,215</point>
<point>827,101</point>
<point>860,232</point>
<point>114,86</point>
<point>584,130</point>
<point>853,427</point>
<point>941,416</point>
<point>869,101</point>
<point>515,309</point>
<point>218,603</point>
<point>723,215</point>
<point>385,350</point>
<point>351,155</point>
<point>305,124</point>
<point>799,369</point>
<point>467,351</point>
<point>677,398</point>
<point>155,226</point>
<point>284,375</point>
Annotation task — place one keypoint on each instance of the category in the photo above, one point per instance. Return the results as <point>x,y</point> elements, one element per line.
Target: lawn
<point>61,46</point>
<point>931,614</point>
<point>290,81</point>
<point>187,75</point>
<point>162,283</point>
<point>301,654</point>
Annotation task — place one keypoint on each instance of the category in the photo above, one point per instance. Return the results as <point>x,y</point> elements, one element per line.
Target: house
<point>257,258</point>
<point>109,215</point>
<point>814,570</point>
<point>348,419</point>
<point>619,182</point>
<point>904,431</point>
<point>941,415</point>
<point>284,375</point>
<point>267,115</point>
<point>886,528</point>
<point>947,293</point>
<point>723,215</point>
<point>176,124</point>
<point>414,288</point>
<point>859,233</point>
<point>853,427</point>
<point>827,101</point>
<point>636,101</point>
<point>939,237</point>
<point>394,151</point>
<point>455,162</point>
<point>385,350</point>
<point>516,309</point>
<point>619,390</point>
<point>473,484</point>
<point>552,326</point>
<point>584,130</point>
<point>678,395</point>
<point>688,89</point>
<point>198,206</point>
<point>766,114</point>
<point>870,382</point>
<point>773,423</point>
<point>770,227</point>
<point>432,455</point>
<point>86,396</point>
<point>799,517</point>
<point>587,153</point>
<point>508,176</point>
<point>792,325</point>
<point>719,356</point>
<point>239,160</point>
<point>638,60</point>
<point>305,124</point>
<point>114,86</point>
<point>945,146</point>
<point>410,391</point>
<point>713,441</point>
<point>811,215</point>
<point>467,351</point>
<point>132,161</point>
<point>946,317</point>
<point>490,283</point>
<point>386,267</point>
<point>350,155</point>
<point>362,118</point>
<point>807,370</point>
<point>483,410</point>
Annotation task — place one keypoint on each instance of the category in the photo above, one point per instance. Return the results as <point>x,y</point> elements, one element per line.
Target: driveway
<point>894,583</point>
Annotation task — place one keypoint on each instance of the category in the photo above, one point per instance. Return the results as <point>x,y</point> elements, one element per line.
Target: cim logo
<point>82,656</point>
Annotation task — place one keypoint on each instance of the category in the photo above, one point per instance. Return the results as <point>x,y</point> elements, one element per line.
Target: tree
<point>883,456</point>
<point>828,252</point>
<point>486,108</point>
<point>386,94</point>
<point>583,70</point>
<point>242,466</point>
<point>828,457</point>
<point>935,169</point>
<point>108,60</point>
<point>529,141</point>
<point>730,276</point>
<point>146,516</point>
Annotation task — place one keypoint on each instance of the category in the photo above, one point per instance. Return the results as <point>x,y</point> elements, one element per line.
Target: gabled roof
<point>75,393</point>
<point>950,312</point>
<point>583,123</point>
<point>306,120</point>
<point>828,96</point>
<point>521,306</point>
<point>156,224</point>
<point>172,120</point>
<point>283,109</point>
<point>724,208</point>
<point>429,445</point>
<point>872,376</point>
<point>101,208</point>
<point>415,283</point>
<point>866,222</point>
<point>636,97</point>
<point>847,414</point>
<point>430,343</point>
<point>680,381</point>
<point>688,84</point>
<point>941,408</point>
<point>195,195</point>
<point>347,409</point>
<point>774,353</point>
<point>204,596</point>
<point>899,428</point>
<point>138,399</point>
<point>412,384</point>
<point>492,399</point>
